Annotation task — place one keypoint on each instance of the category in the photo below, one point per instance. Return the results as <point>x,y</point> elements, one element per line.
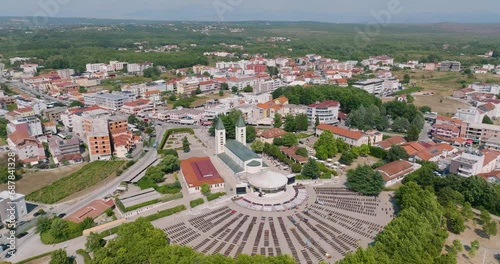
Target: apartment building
<point>99,145</point>
<point>139,106</point>
<point>65,149</point>
<point>34,125</point>
<point>268,86</point>
<point>138,67</point>
<point>448,129</point>
<point>107,101</point>
<point>187,87</point>
<point>65,73</point>
<point>9,201</point>
<point>327,112</point>
<point>484,134</point>
<point>373,86</point>
<point>241,82</point>
<point>488,88</point>
<point>54,114</point>
<point>473,162</point>
<point>470,115</point>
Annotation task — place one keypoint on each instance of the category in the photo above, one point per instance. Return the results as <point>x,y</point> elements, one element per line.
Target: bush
<point>378,152</point>
<point>73,230</point>
<point>196,202</point>
<point>165,213</point>
<point>214,196</point>
<point>28,260</point>
<point>134,207</point>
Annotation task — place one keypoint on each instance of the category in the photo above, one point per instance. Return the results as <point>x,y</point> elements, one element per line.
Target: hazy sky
<point>405,11</point>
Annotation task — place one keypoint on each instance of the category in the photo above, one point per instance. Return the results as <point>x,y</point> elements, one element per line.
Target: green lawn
<point>88,176</point>
<point>3,141</point>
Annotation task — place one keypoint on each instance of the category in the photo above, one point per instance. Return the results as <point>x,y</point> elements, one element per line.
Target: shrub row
<point>172,131</point>
<point>196,202</point>
<point>165,213</point>
<point>214,196</point>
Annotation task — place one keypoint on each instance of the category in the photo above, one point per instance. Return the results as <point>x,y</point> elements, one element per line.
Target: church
<point>243,161</point>
<point>234,152</point>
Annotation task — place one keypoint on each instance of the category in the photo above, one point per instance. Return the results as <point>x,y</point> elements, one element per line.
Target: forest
<point>74,44</point>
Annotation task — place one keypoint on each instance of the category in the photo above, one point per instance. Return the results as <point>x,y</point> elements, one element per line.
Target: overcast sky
<point>345,11</point>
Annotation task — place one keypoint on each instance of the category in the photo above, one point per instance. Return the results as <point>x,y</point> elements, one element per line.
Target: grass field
<point>88,176</point>
<point>34,180</point>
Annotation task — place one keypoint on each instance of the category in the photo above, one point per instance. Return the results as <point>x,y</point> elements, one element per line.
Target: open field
<point>90,175</point>
<point>488,247</point>
<point>444,83</point>
<point>34,180</point>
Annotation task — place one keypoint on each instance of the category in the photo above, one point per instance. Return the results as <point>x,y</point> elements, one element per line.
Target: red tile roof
<point>290,152</point>
<point>325,104</point>
<point>92,210</point>
<point>137,102</point>
<point>341,131</point>
<point>412,148</point>
<point>197,171</point>
<point>272,133</point>
<point>395,169</point>
<point>388,143</point>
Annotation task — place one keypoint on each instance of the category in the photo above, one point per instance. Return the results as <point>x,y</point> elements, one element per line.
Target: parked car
<point>22,234</point>
<point>61,215</point>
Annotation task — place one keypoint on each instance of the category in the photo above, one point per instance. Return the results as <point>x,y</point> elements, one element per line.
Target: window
<point>97,151</point>
<point>95,137</point>
<point>96,147</point>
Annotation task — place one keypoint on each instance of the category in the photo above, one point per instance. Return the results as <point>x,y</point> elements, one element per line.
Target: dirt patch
<point>34,180</point>
<point>488,247</point>
<point>439,104</point>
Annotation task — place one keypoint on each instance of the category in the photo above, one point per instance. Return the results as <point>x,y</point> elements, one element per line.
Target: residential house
<point>473,162</point>
<point>388,143</point>
<point>352,138</point>
<point>267,136</point>
<point>65,149</point>
<point>395,171</point>
<point>50,128</point>
<point>54,114</point>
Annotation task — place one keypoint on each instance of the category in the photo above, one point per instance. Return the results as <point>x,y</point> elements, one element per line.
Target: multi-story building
<point>138,67</point>
<point>373,86</point>
<point>65,73</point>
<point>99,144</point>
<point>448,129</point>
<point>450,66</point>
<point>34,125</point>
<point>9,201</point>
<point>30,151</point>
<point>267,86</point>
<point>488,88</point>
<point>209,86</point>
<point>64,149</point>
<point>96,67</point>
<point>470,115</point>
<point>187,87</point>
<point>326,112</point>
<point>473,162</point>
<point>484,134</point>
<point>108,101</point>
<point>139,106</point>
<point>54,114</point>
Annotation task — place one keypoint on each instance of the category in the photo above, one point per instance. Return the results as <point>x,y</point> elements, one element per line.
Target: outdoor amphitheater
<point>310,223</point>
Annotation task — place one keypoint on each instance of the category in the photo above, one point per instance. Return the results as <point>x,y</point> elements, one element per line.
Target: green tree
<point>75,103</point>
<point>467,210</point>
<point>185,145</point>
<point>59,228</point>
<point>487,120</point>
<point>234,89</point>
<point>425,109</point>
<point>221,93</point>
<point>248,89</point>
<point>490,228</point>
<point>132,119</point>
<point>458,245</point>
<point>485,216</point>
<point>474,245</point>
<point>169,164</point>
<point>290,124</point>
<point>301,122</point>
<point>94,242</point>
<point>224,86</point>
<point>296,168</point>
<point>257,146</point>
<point>406,79</point>
<point>325,146</point>
<point>316,121</point>
<point>396,152</point>
<point>43,224</point>
<point>205,189</point>
<point>152,72</point>
<point>311,169</point>
<point>229,120</point>
<point>448,196</point>
<point>454,220</point>
<point>302,152</point>
<point>418,121</point>
<point>347,158</point>
<point>400,124</point>
<point>277,120</point>
<point>172,98</point>
<point>198,91</point>
<point>289,140</point>
<point>364,180</point>
<point>59,257</point>
<point>251,134</point>
<point>82,89</point>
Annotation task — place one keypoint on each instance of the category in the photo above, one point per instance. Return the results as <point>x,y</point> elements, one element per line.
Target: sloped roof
<point>241,151</point>
<point>396,140</point>
<point>200,170</point>
<point>341,131</point>
<point>241,122</point>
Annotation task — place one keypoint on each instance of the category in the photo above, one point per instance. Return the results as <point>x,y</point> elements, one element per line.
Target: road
<point>26,88</point>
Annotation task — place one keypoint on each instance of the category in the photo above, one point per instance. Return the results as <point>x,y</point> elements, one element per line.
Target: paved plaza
<point>331,222</point>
